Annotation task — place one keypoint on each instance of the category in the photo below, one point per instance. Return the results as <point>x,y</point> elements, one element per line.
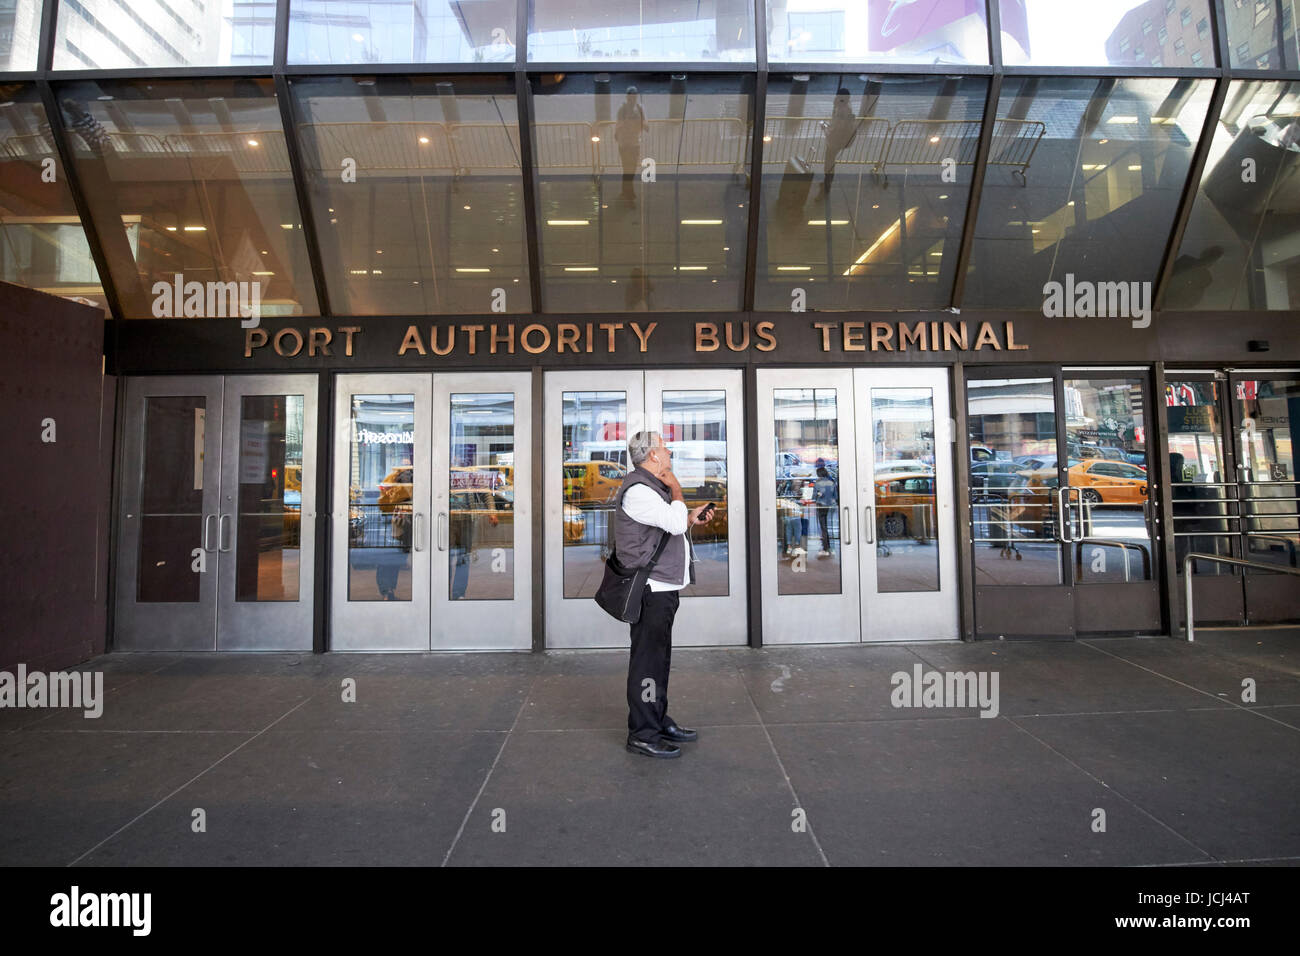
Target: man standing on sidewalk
<point>648,504</point>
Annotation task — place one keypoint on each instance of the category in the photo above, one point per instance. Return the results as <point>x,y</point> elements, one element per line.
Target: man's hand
<point>694,516</point>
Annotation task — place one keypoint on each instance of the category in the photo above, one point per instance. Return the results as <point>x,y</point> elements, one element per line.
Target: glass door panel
<point>1264,405</point>
<point>1014,482</point>
<point>1111,513</point>
<point>481,506</point>
<point>381,512</point>
<point>908,551</point>
<point>168,525</point>
<point>807,457</point>
<point>266,526</point>
<point>699,416</point>
<point>1203,498</point>
<point>588,418</point>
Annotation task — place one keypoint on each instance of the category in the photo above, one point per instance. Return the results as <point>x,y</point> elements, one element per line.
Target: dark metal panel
<point>1116,609</point>
<point>1218,600</point>
<point>1270,598</point>
<point>288,119</point>
<point>1029,612</point>
<point>521,34</point>
<point>961,489</point>
<point>324,509</point>
<point>58,132</point>
<point>1161,488</point>
<point>538,451</point>
<point>753,516</point>
<point>528,174</point>
<point>1190,190</point>
<point>759,114</point>
<point>45,39</point>
<point>976,187</point>
<point>281,47</point>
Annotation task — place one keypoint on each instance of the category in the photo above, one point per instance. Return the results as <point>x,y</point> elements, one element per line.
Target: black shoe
<point>653,748</point>
<point>673,732</point>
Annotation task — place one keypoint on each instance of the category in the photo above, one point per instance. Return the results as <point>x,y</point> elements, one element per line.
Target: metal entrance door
<point>1063,543</point>
<point>216,531</point>
<point>856,486</point>
<point>380,513</point>
<point>588,418</point>
<point>482,514</point>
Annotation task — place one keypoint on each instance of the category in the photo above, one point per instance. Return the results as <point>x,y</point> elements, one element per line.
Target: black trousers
<point>652,650</point>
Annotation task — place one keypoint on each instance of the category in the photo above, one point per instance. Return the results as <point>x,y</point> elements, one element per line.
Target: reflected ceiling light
<point>466,207</point>
<point>767,139</point>
<point>286,225</point>
<point>376,272</point>
<point>794,268</point>
<point>265,253</point>
<point>424,141</point>
<point>944,196</point>
<point>1122,119</point>
<point>1134,169</point>
<point>263,273</point>
<point>359,38</point>
<point>1098,167</point>
<point>171,228</point>
<point>875,205</point>
<point>581,269</point>
<point>473,270</point>
<point>692,268</point>
<point>934,139</point>
<point>568,222</point>
<point>1070,203</point>
<point>333,221</point>
<point>105,97</point>
<point>379,252</point>
<point>331,209</point>
<point>1102,142</point>
<point>253,142</point>
<point>885,236</point>
<point>1035,231</point>
<point>822,222</point>
<point>613,282</point>
<point>595,139</point>
<point>358,272</point>
<point>701,222</point>
<point>937,255</point>
<point>196,228</point>
<point>495,249</point>
<point>726,248</point>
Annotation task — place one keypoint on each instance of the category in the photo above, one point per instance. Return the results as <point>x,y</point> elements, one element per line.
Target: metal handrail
<point>1235,562</point>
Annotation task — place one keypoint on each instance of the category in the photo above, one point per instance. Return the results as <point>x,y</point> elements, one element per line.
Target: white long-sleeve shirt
<point>641,504</point>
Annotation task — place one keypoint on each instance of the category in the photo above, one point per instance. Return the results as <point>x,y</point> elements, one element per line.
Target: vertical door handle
<point>442,531</point>
<point>844,526</point>
<point>869,523</point>
<point>222,538</point>
<point>417,527</point>
<point>207,536</point>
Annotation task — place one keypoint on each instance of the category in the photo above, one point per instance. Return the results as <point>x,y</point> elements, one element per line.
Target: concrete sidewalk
<point>437,747</point>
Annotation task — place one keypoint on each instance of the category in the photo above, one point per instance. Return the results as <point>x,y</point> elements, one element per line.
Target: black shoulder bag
<point>621,589</point>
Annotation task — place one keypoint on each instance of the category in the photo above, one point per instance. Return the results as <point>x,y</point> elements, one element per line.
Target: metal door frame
<point>722,619</point>
<point>381,625</point>
<point>166,626</point>
<point>1039,606</point>
<point>1220,598</point>
<point>906,615</point>
<point>266,625</point>
<point>808,618</point>
<point>1266,598</point>
<point>577,622</point>
<point>482,625</point>
<point>1111,603</point>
